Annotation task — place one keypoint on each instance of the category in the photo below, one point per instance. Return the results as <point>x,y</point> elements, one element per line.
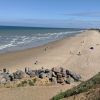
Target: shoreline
<point>31,51</point>
<point>39,45</point>
<point>62,53</point>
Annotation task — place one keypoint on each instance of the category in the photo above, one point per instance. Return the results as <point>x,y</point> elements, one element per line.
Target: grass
<point>29,82</point>
<point>22,83</point>
<point>83,87</point>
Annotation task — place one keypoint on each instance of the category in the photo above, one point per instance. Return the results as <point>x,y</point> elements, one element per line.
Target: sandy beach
<point>73,53</point>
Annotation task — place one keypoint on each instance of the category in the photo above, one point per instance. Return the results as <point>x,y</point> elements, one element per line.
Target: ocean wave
<point>16,41</point>
<point>5,46</point>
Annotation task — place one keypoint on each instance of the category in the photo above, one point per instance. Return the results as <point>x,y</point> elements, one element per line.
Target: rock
<point>56,70</point>
<point>26,70</point>
<point>30,72</point>
<point>67,72</point>
<point>49,75</point>
<point>59,75</point>
<point>4,78</point>
<point>60,80</point>
<point>19,74</point>
<point>53,74</point>
<point>42,75</point>
<point>54,80</point>
<point>37,73</point>
<point>11,76</point>
<point>75,76</point>
<point>42,70</point>
<point>47,70</point>
<point>3,81</point>
<point>63,72</point>
<point>69,79</point>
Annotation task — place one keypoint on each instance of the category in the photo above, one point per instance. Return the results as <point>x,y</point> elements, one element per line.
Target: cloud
<point>84,14</point>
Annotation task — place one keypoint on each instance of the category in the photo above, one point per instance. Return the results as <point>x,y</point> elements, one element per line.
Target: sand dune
<point>73,53</point>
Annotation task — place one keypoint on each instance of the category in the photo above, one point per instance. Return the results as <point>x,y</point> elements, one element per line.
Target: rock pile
<point>55,75</point>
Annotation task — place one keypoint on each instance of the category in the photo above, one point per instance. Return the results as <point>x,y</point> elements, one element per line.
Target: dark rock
<point>11,76</point>
<point>47,70</point>
<point>26,69</point>
<point>67,72</point>
<point>53,74</point>
<point>42,70</point>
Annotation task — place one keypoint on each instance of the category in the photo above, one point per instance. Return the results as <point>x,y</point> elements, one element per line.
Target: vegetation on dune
<point>83,87</point>
<point>29,82</point>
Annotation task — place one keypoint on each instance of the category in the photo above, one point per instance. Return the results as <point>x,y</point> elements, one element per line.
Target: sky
<point>50,13</point>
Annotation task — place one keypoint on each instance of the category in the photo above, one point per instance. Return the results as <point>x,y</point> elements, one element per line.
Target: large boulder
<point>75,76</point>
<point>4,78</point>
<point>19,74</point>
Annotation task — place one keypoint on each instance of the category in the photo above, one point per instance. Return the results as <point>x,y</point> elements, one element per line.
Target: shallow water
<point>18,38</point>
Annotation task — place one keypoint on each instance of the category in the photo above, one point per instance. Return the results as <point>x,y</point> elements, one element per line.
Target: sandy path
<point>31,93</point>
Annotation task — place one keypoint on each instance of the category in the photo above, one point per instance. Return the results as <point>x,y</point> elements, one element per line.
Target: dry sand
<point>72,53</point>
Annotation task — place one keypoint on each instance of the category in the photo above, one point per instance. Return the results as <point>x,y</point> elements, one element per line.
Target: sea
<point>14,38</point>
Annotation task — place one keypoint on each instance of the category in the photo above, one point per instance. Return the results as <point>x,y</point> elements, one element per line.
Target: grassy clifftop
<point>83,87</point>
